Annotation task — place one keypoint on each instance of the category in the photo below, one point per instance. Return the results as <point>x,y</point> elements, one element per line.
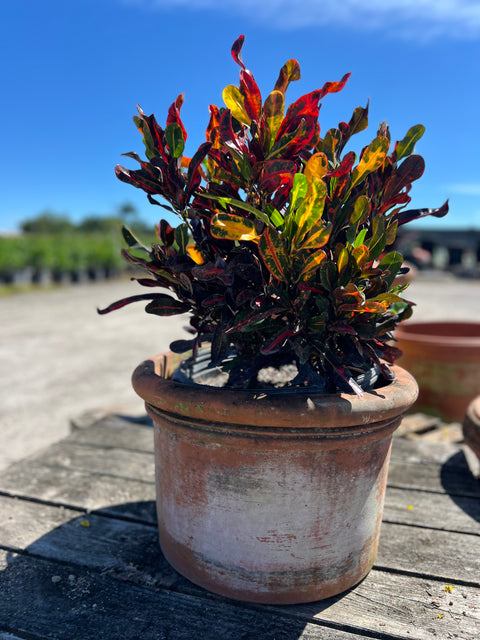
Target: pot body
<point>444,358</point>
<point>272,498</point>
<point>471,426</point>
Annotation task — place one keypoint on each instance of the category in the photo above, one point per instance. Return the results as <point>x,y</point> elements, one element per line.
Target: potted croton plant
<point>283,258</point>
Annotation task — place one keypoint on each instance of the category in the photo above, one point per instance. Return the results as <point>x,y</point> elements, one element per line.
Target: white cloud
<point>465,189</point>
<point>420,19</point>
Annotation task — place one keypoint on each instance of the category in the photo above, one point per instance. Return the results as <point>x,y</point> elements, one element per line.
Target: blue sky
<point>73,72</point>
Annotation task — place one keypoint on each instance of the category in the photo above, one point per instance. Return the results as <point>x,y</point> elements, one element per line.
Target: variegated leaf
<point>273,109</point>
<point>311,209</point>
<point>226,226</point>
<point>195,254</point>
<point>236,103</point>
<point>290,72</point>
<point>272,251</point>
<point>318,236</point>
<point>361,255</point>
<point>316,167</point>
<point>312,264</point>
<point>372,159</point>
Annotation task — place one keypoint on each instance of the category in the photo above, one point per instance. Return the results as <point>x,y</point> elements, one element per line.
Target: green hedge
<point>59,253</point>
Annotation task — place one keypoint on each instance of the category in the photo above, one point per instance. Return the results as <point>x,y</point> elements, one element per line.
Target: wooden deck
<point>80,557</point>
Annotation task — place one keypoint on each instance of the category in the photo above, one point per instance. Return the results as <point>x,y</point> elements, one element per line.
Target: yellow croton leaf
<point>311,209</point>
<point>371,160</point>
<point>195,254</point>
<point>312,263</point>
<point>226,226</point>
<point>273,109</point>
<point>236,103</point>
<point>316,167</point>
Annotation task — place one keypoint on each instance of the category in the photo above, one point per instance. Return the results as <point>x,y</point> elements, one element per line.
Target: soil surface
<point>60,359</point>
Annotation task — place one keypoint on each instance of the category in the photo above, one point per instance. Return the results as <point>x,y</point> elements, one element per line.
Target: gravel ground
<point>60,359</point>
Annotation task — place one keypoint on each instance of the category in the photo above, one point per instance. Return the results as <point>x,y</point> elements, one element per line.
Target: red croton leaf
<point>155,130</point>
<point>174,114</point>
<point>212,133</point>
<point>228,135</point>
<point>165,305</point>
<point>344,167</point>
<point>276,173</point>
<point>409,170</point>
<point>124,301</point>
<point>139,179</point>
<point>195,167</point>
<point>251,94</point>
<point>274,344</point>
<point>415,214</point>
<point>237,50</point>
<point>333,87</point>
<point>166,233</point>
<point>307,105</point>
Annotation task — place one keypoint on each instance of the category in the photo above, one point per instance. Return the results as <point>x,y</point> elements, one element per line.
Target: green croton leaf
<point>132,241</point>
<point>182,237</point>
<point>175,140</point>
<point>407,146</point>
<point>390,265</point>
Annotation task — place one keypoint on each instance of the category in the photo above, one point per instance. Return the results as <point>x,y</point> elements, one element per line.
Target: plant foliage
<point>284,249</point>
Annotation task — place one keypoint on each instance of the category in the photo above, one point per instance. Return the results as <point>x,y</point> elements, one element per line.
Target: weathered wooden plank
<point>116,432</point>
<point>434,477</point>
<point>49,600</point>
<point>86,540</point>
<point>121,463</point>
<point>404,606</point>
<point>432,510</point>
<point>441,554</point>
<point>419,451</point>
<point>99,542</point>
<point>80,489</point>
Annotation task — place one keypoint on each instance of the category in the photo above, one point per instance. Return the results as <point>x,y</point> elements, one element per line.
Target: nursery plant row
<point>43,258</point>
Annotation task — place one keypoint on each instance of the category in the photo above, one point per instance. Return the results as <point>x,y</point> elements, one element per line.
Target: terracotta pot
<point>270,497</point>
<point>444,358</point>
<point>471,426</point>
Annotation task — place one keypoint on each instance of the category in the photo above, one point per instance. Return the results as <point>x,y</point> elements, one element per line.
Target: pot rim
<point>449,333</point>
<point>151,381</point>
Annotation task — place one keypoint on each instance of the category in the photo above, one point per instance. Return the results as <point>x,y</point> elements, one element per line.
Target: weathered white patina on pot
<point>270,497</point>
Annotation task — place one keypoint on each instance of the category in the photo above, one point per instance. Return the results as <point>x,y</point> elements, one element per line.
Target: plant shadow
<point>103,575</point>
<point>462,487</point>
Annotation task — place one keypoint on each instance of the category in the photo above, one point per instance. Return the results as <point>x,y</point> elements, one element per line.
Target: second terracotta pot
<point>444,358</point>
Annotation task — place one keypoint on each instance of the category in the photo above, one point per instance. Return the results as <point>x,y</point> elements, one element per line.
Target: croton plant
<point>283,253</point>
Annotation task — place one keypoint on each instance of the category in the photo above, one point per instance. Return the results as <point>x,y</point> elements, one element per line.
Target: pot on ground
<point>444,358</point>
<point>266,496</point>
<point>471,426</point>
